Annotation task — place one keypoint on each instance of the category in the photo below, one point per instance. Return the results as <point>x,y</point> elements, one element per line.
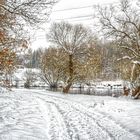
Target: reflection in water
<point>96,91</point>
<point>93,91</point>
<point>89,91</point>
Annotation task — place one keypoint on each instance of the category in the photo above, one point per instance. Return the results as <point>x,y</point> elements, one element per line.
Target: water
<point>88,91</point>
<point>96,91</point>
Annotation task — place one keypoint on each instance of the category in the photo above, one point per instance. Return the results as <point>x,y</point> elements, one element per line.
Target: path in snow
<point>38,115</point>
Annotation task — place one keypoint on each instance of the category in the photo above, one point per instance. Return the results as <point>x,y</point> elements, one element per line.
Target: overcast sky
<point>74,11</point>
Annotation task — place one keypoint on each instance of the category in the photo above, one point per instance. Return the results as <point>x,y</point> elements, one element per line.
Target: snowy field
<point>44,115</point>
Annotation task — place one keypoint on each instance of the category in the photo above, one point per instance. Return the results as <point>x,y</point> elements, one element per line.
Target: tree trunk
<point>70,68</point>
<point>69,82</point>
<point>53,87</point>
<point>136,92</point>
<point>67,88</point>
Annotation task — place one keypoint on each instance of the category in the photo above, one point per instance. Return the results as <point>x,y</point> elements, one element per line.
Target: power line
<point>82,7</point>
<point>74,8</point>
<point>85,16</point>
<point>82,19</point>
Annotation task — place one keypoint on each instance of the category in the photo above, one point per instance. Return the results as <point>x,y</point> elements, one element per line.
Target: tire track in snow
<point>110,126</point>
<point>82,130</point>
<point>114,129</point>
<point>56,126</point>
<point>82,125</point>
<point>71,130</point>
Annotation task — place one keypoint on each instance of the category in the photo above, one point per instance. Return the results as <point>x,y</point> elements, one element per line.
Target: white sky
<point>75,11</point>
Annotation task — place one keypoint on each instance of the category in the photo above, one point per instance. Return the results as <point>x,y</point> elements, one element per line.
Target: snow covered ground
<point>43,115</point>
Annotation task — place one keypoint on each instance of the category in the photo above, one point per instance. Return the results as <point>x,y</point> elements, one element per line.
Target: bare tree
<point>121,23</point>
<point>15,15</point>
<point>52,66</point>
<point>74,41</point>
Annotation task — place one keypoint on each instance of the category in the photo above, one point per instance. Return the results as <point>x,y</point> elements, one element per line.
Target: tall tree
<point>74,40</point>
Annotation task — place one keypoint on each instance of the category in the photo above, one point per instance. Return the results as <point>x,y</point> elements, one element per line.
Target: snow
<point>20,76</point>
<point>125,57</point>
<point>44,115</point>
<point>3,90</point>
<point>136,62</point>
<point>21,72</point>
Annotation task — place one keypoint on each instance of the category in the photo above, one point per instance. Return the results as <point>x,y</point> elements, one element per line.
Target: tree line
<point>76,54</point>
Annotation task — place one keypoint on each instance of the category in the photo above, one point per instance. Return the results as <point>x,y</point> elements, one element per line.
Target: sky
<point>73,11</point>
